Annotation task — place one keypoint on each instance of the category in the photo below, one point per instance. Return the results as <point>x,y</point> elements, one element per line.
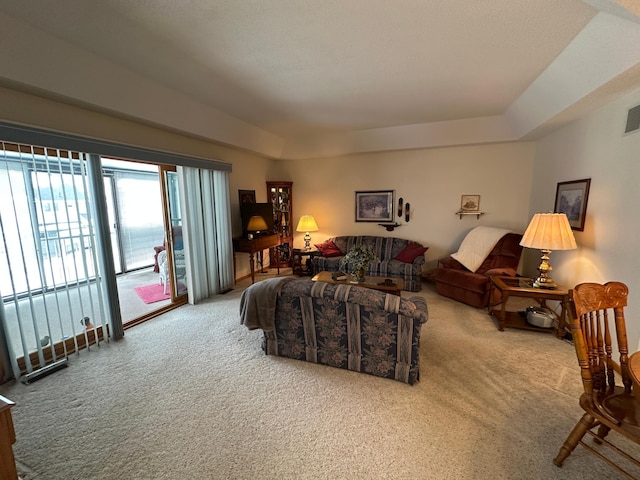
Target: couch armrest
<point>450,262</point>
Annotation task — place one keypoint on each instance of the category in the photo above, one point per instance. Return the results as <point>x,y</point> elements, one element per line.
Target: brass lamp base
<point>544,280</point>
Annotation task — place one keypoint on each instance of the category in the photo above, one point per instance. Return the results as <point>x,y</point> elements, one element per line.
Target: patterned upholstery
<point>386,248</point>
<point>348,327</point>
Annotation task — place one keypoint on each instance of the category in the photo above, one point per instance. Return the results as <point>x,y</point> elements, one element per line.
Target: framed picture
<point>470,203</point>
<point>374,206</point>
<point>571,199</point>
<point>247,196</point>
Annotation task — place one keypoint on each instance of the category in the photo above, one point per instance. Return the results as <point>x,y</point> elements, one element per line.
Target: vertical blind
<point>48,260</point>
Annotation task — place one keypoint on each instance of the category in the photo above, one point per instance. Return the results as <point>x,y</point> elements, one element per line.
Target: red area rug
<point>152,293</point>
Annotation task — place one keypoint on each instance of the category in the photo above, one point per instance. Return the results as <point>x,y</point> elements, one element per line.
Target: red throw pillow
<point>329,249</point>
<point>411,252</point>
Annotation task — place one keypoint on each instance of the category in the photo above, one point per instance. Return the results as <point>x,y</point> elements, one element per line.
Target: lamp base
<point>544,280</point>
<point>307,241</point>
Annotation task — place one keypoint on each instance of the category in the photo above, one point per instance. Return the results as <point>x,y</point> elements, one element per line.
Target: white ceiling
<point>302,78</point>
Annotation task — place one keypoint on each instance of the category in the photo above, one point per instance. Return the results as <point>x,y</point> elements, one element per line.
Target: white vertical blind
<point>48,259</point>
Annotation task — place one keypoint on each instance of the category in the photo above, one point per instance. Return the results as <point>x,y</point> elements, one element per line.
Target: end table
<point>523,287</point>
<point>303,268</point>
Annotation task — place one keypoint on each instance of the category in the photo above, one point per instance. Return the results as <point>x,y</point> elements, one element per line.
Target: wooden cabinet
<point>280,196</point>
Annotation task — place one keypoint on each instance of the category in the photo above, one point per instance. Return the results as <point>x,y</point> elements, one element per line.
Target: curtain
<point>206,219</point>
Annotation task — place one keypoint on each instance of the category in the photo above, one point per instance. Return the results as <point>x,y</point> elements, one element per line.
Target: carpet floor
<point>190,394</point>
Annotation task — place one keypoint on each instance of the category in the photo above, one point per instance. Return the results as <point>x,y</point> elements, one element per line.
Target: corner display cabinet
<point>279,194</point>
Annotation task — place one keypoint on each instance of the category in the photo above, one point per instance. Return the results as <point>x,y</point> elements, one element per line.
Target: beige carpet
<point>190,395</point>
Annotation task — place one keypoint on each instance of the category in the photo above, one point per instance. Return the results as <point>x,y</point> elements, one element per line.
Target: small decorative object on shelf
<point>360,256</point>
<point>470,205</point>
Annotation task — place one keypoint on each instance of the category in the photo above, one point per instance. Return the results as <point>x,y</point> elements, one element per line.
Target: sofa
<point>398,257</point>
<point>343,326</point>
<point>456,281</point>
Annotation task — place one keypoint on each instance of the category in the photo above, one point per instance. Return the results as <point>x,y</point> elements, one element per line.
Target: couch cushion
<point>411,252</point>
<point>328,249</point>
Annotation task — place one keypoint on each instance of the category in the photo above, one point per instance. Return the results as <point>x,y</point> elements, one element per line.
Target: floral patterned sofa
<point>348,327</point>
<point>399,258</point>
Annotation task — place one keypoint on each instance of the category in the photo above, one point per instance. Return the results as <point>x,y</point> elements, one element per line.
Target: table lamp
<point>307,224</point>
<point>255,225</point>
<point>547,232</point>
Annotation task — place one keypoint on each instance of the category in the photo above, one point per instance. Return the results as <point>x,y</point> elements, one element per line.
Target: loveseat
<point>456,281</point>
<point>346,326</point>
<point>399,258</point>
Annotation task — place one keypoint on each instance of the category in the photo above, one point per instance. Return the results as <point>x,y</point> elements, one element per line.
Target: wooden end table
<point>383,284</point>
<point>300,266</point>
<point>523,287</point>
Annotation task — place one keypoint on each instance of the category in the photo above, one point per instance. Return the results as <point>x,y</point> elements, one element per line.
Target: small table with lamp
<point>545,232</point>
<point>300,265</point>
<point>523,287</point>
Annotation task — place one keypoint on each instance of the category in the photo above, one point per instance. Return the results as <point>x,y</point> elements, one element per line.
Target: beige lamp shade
<point>307,224</point>
<point>546,232</point>
<point>256,224</point>
<point>549,231</point>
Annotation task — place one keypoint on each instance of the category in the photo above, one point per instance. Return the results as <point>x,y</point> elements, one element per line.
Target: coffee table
<point>383,284</point>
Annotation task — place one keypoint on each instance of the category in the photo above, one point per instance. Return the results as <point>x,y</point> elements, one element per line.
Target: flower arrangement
<point>359,256</point>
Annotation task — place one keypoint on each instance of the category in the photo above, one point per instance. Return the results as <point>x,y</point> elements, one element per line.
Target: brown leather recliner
<point>455,281</point>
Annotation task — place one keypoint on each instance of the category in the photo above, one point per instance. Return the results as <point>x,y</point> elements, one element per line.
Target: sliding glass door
<point>176,266</point>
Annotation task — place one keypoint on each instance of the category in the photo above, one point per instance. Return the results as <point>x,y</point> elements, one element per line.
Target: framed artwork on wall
<point>247,196</point>
<point>374,206</point>
<point>571,199</point>
<point>470,203</point>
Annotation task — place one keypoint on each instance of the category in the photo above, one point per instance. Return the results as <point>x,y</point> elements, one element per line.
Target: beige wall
<point>432,181</point>
<point>595,147</point>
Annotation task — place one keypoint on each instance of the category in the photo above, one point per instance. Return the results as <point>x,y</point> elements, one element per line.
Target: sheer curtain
<point>206,220</point>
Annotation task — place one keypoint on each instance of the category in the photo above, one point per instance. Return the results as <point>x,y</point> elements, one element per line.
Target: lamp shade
<point>256,224</point>
<point>307,224</point>
<point>549,231</point>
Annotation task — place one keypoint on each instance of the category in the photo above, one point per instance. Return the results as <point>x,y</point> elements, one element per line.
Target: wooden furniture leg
<point>252,265</point>
<point>7,439</point>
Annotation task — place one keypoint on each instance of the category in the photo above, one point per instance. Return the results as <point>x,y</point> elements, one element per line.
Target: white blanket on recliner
<point>477,245</point>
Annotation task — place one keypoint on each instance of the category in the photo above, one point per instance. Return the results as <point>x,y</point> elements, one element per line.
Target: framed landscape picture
<point>374,206</point>
<point>571,199</point>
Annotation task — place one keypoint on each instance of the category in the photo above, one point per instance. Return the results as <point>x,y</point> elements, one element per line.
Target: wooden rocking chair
<point>598,316</point>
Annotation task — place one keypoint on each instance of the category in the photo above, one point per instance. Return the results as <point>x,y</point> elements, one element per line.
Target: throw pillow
<point>411,252</point>
<point>328,249</point>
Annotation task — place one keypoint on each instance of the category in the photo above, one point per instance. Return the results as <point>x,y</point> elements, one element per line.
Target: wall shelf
<point>390,226</point>
<point>461,213</point>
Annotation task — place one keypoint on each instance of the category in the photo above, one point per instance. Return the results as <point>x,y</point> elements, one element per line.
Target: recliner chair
<point>455,281</point>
